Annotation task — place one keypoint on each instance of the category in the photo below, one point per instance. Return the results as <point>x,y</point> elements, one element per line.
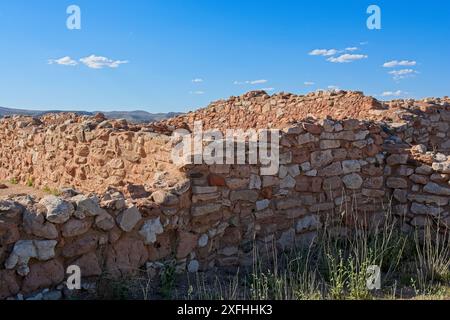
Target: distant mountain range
<point>131,116</point>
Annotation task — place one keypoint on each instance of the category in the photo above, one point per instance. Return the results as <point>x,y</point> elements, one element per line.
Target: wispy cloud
<point>339,56</point>
<point>323,52</point>
<point>197,80</point>
<point>403,63</point>
<point>347,58</point>
<point>258,81</point>
<point>92,61</point>
<point>99,62</point>
<point>268,89</point>
<point>364,43</point>
<point>397,93</point>
<point>308,83</point>
<point>252,82</point>
<point>65,61</point>
<point>333,88</point>
<point>197,92</point>
<point>403,73</point>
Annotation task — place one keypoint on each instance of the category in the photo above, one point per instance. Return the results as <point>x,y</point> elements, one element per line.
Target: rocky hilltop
<point>257,109</point>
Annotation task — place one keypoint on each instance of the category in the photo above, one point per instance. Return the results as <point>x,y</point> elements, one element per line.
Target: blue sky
<point>155,49</point>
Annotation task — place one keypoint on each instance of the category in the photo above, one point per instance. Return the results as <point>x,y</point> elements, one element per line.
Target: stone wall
<point>425,124</point>
<point>143,210</point>
<point>323,168</point>
<point>40,239</point>
<point>89,154</point>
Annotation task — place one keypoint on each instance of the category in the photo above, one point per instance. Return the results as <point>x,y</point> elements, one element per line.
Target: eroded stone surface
<point>9,284</point>
<point>24,250</point>
<point>126,256</point>
<point>353,181</point>
<point>58,210</point>
<point>128,219</point>
<point>151,229</point>
<point>43,275</point>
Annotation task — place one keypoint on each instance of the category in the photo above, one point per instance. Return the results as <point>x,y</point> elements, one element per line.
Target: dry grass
<point>413,265</point>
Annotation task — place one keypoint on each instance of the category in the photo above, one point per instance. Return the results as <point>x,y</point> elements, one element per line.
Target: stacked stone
<point>89,154</point>
<point>427,126</point>
<point>258,110</point>
<point>39,240</point>
<point>422,191</point>
<point>201,216</point>
<point>324,166</point>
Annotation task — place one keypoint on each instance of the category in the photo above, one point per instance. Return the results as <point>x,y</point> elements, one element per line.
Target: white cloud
<point>197,80</point>
<point>393,93</point>
<point>258,81</point>
<point>347,58</point>
<point>403,63</point>
<point>323,52</point>
<point>403,73</point>
<point>268,89</point>
<point>334,88</point>
<point>262,81</point>
<point>352,49</point>
<point>364,43</point>
<point>308,83</point>
<point>65,61</point>
<point>98,62</point>
<point>197,92</point>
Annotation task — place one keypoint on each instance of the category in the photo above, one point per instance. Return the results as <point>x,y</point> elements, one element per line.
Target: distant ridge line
<point>137,116</point>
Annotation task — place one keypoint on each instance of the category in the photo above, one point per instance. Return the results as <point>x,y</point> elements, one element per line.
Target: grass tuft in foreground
<point>414,265</point>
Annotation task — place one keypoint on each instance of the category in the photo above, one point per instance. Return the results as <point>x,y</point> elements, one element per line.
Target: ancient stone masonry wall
<point>420,186</point>
<point>88,154</point>
<point>211,219</point>
<point>139,210</point>
<point>424,124</point>
<point>324,168</point>
<point>40,239</point>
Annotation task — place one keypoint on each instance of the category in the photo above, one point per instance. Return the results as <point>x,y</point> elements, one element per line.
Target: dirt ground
<point>16,190</point>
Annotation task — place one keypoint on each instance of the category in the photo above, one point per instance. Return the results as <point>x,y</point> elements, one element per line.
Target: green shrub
<point>51,191</point>
<point>30,182</point>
